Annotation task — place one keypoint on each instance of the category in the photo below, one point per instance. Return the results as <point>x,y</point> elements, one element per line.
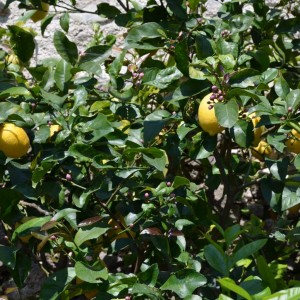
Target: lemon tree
<point>177,177</point>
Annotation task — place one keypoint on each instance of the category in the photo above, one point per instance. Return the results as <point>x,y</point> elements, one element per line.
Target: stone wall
<point>81,25</point>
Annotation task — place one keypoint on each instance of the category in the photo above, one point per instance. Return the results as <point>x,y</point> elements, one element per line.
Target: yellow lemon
<point>261,150</point>
<point>41,13</point>
<point>14,141</point>
<point>12,59</point>
<point>293,143</point>
<point>54,128</point>
<point>207,118</point>
<point>125,126</point>
<point>257,131</point>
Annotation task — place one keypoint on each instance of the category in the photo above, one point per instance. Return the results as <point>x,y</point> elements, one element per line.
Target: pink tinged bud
<point>146,195</point>
<point>214,88</point>
<point>68,176</point>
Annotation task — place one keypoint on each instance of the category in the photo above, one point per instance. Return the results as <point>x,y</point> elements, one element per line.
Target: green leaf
<point>247,250</point>
<point>64,21</point>
<point>272,191</point>
<point>242,133</point>
<point>34,224</point>
<point>227,114</point>
<point>23,42</point>
<point>149,276</point>
<point>84,235</point>
<point>95,274</point>
<point>242,92</point>
<point>180,181</point>
<point>155,158</point>
<point>53,100</point>
<point>216,257</point>
<point>230,285</point>
<point>107,10</point>
<point>80,98</point>
<point>263,60</point>
<point>152,129</point>
<point>203,46</point>
<point>224,47</point>
<point>183,283</point>
<point>148,36</point>
<point>93,58</point>
<point>9,199</point>
<point>15,91</point>
<point>99,127</point>
<point>62,74</point>
<point>144,290</point>
<point>290,25</point>
<point>184,129</point>
<point>265,272</point>
<point>279,168</point>
<point>290,198</point>
<point>178,9</point>
<point>281,87</point>
<point>208,145</point>
<point>22,269</point>
<point>231,233</point>
<point>65,48</point>
<point>182,57</point>
<point>45,22</point>
<point>56,283</point>
<point>164,78</point>
<point>190,88</point>
<point>69,214</point>
<point>8,256</point>
<point>293,99</point>
<point>287,294</point>
<point>193,4</point>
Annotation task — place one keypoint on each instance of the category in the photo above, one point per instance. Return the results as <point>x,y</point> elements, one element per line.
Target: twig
<point>33,205</point>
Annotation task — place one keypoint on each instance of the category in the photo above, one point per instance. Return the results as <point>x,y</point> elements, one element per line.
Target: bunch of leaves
<point>108,204</point>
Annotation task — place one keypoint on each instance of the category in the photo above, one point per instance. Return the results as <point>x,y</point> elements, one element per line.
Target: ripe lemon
<point>54,128</point>
<point>41,13</point>
<point>261,150</point>
<point>12,59</point>
<point>257,131</point>
<point>125,126</point>
<point>293,143</point>
<point>14,141</point>
<point>207,118</point>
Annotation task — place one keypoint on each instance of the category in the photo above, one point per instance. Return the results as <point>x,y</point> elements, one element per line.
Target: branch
<point>33,205</point>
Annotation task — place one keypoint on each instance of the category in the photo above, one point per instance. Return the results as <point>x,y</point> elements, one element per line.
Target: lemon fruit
<point>54,128</point>
<point>293,143</point>
<point>125,126</point>
<point>12,59</point>
<point>207,118</point>
<point>14,141</point>
<point>261,150</point>
<point>257,131</point>
<point>41,13</point>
